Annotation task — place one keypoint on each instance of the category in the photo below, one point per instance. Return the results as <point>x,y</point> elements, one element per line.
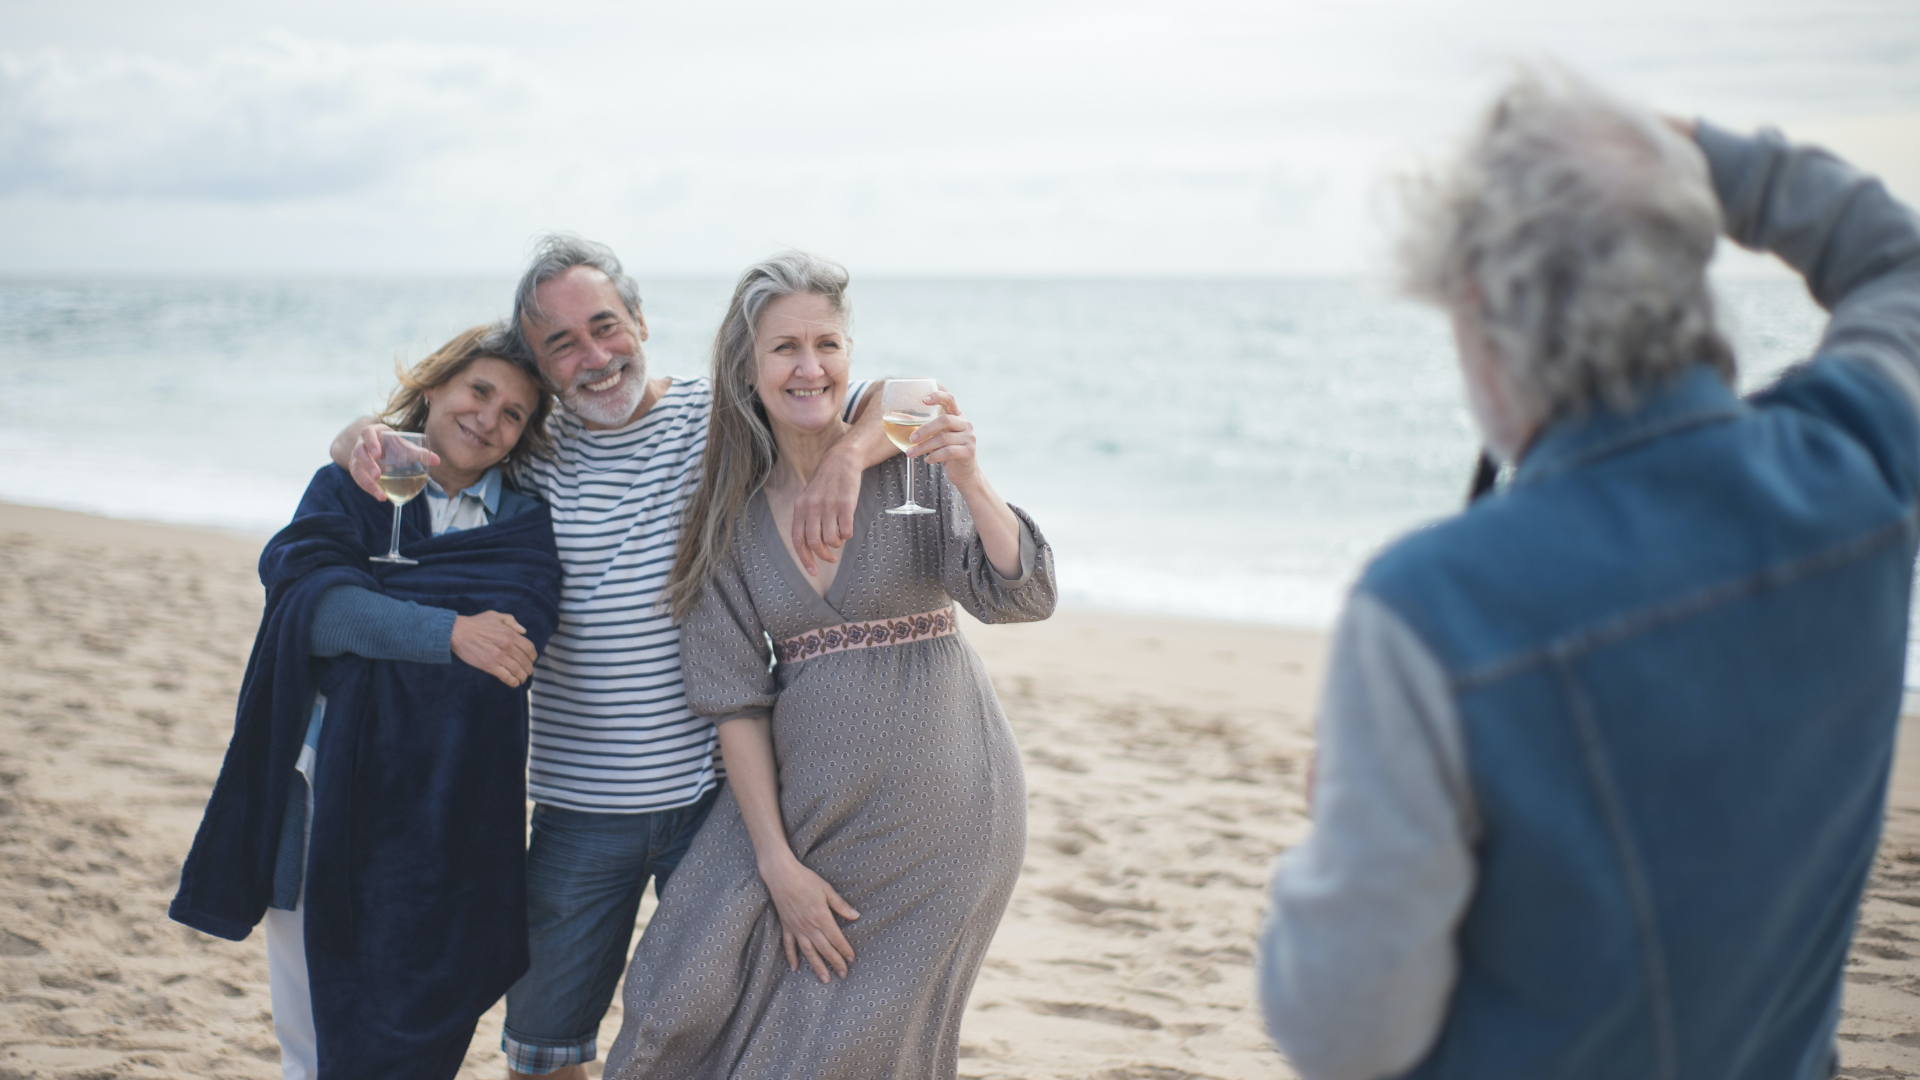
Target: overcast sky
<point>1031,138</point>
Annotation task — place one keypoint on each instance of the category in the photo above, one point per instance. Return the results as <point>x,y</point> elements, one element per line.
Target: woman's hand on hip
<point>807,906</point>
<point>947,439</point>
<point>495,643</point>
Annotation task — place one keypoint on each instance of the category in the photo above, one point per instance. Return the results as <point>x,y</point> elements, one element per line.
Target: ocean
<point>1218,449</point>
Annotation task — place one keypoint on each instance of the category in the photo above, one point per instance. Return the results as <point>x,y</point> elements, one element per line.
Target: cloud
<point>284,117</point>
<point>1005,136</point>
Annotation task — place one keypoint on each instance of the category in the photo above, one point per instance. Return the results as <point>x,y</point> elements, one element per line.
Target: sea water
<point>1222,449</point>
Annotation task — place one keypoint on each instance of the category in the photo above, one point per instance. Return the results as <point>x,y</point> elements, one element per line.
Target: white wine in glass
<point>903,409</point>
<point>399,489</point>
<point>403,474</point>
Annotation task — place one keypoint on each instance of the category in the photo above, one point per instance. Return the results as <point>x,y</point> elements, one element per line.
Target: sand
<point>1164,760</point>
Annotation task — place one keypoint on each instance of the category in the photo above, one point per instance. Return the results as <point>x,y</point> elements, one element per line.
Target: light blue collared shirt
<point>470,509</point>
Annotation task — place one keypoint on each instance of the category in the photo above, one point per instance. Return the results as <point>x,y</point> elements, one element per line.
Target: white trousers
<point>292,1001</point>
<point>287,960</point>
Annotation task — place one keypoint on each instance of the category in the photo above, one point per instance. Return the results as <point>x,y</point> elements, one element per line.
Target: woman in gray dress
<point>875,805</point>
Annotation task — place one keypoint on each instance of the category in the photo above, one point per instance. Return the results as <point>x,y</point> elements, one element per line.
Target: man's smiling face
<point>588,346</point>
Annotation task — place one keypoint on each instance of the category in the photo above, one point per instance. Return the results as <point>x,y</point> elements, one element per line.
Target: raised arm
<point>1857,246</point>
<point>948,440</point>
<point>994,562</point>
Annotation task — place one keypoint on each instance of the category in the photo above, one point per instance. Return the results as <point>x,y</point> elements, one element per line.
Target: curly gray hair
<point>1578,229</point>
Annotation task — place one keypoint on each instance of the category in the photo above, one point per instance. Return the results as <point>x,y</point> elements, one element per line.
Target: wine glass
<point>403,474</point>
<point>903,409</point>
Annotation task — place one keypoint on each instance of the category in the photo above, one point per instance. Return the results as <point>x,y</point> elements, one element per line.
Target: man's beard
<point>615,406</point>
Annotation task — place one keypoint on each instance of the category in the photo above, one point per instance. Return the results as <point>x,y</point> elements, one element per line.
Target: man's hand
<point>823,513</point>
<point>495,643</point>
<point>357,450</point>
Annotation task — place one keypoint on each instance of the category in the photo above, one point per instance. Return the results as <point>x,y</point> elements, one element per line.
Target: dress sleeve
<point>969,577</point>
<point>724,650</point>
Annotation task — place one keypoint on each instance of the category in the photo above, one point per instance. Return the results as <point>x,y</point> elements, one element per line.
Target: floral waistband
<point>866,635</point>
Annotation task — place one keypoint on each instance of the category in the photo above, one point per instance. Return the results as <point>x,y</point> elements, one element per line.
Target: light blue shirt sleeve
<point>1358,959</point>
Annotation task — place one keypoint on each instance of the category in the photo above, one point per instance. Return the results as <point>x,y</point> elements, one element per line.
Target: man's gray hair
<point>555,254</point>
<point>1578,229</point>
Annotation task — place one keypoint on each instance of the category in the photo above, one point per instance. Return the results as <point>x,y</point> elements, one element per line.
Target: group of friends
<point>1601,760</point>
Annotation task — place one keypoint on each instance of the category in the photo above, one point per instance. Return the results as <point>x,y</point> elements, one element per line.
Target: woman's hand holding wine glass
<point>403,474</point>
<point>947,439</point>
<point>905,407</point>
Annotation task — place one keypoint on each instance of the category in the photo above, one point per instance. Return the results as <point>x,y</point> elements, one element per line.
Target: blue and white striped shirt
<point>611,730</point>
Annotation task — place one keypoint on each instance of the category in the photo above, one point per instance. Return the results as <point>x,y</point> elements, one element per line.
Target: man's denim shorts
<point>585,875</point>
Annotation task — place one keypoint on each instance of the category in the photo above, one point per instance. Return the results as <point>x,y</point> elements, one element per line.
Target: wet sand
<point>1164,763</point>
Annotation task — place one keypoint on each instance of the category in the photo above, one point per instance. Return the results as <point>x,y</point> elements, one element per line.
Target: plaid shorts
<point>536,1060</point>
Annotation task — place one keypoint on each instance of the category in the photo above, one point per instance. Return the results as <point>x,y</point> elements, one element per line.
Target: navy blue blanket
<point>415,903</point>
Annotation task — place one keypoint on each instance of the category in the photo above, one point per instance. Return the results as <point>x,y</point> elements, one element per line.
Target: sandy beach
<point>1164,762</point>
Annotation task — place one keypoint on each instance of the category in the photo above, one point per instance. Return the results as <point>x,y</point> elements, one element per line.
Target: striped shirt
<point>611,731</point>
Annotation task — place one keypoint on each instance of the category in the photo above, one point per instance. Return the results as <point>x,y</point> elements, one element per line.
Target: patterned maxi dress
<point>899,784</point>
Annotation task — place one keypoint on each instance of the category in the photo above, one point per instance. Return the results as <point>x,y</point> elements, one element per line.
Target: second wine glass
<point>903,408</point>
<point>403,474</point>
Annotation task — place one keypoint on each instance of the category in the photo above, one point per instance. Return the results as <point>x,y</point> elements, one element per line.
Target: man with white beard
<point>1603,759</point>
<point>622,774</point>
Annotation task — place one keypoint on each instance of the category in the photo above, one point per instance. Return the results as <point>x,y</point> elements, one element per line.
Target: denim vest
<point>1676,646</point>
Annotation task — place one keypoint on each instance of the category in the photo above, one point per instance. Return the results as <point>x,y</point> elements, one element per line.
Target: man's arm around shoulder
<point>823,514</point>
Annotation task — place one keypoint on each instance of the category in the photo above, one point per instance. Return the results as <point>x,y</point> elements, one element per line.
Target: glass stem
<point>393,549</point>
<point>908,462</point>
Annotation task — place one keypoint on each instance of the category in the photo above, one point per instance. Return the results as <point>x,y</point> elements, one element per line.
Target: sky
<point>1191,139</point>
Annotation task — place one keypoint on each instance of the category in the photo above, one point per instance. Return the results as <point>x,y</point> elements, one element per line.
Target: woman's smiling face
<point>802,353</point>
<point>475,418</point>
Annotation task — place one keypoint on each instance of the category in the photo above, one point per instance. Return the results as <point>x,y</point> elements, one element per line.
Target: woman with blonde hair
<point>372,806</point>
<point>874,803</point>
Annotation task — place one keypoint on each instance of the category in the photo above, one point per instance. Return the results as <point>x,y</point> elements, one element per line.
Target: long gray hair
<point>1581,227</point>
<point>740,449</point>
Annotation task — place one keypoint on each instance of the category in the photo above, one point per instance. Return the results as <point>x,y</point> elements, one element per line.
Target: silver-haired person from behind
<point>1603,759</point>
